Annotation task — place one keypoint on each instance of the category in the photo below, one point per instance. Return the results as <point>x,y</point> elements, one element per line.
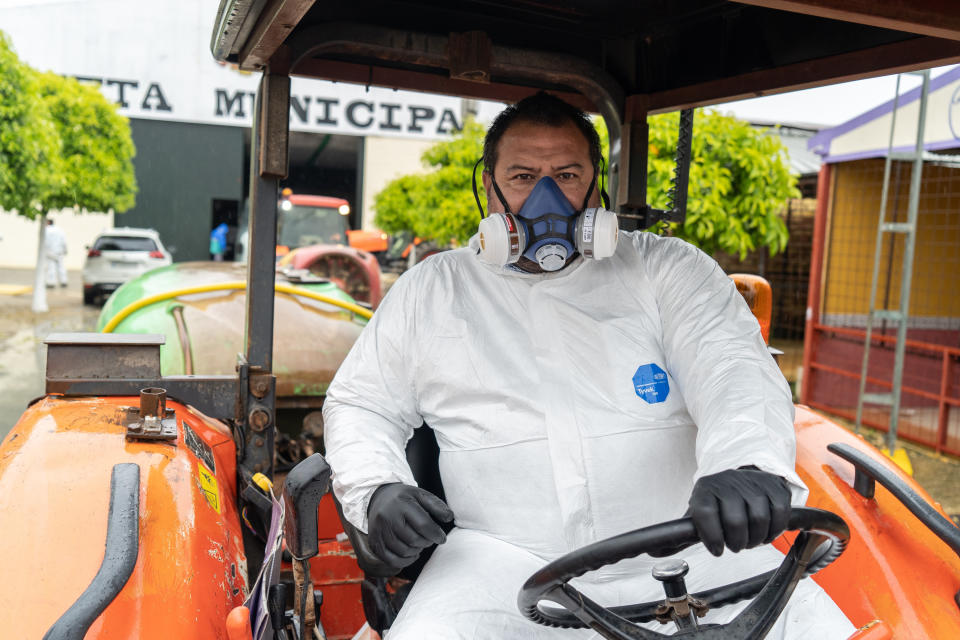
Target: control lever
<point>305,485</point>
<point>678,607</point>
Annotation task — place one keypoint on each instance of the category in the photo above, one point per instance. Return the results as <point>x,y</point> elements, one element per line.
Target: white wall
<point>18,237</point>
<point>383,160</point>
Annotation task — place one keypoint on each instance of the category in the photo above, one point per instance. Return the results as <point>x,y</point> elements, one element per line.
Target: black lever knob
<point>276,605</point>
<point>305,485</point>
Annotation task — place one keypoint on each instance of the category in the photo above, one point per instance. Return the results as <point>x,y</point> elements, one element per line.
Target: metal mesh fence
<point>931,382</point>
<point>788,273</point>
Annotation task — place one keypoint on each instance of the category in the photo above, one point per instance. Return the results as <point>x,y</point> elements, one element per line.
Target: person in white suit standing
<point>55,248</point>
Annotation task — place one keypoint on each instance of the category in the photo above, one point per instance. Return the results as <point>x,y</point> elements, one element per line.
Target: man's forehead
<point>534,140</point>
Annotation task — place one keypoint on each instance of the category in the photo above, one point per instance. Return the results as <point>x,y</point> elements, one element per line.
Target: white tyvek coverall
<point>55,248</point>
<point>545,443</point>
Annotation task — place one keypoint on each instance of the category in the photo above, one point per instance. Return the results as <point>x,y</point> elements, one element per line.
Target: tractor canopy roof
<point>616,57</point>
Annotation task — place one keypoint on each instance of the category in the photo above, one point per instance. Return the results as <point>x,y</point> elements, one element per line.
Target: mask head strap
<point>586,199</point>
<point>603,191</point>
<point>476,194</point>
<point>503,200</point>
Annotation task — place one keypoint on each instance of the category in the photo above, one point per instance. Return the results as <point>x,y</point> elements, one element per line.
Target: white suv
<point>119,255</point>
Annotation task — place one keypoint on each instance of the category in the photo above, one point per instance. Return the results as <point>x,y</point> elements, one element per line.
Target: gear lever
<point>678,606</point>
<point>305,485</point>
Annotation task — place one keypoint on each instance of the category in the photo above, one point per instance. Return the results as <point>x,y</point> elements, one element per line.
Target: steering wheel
<point>823,537</point>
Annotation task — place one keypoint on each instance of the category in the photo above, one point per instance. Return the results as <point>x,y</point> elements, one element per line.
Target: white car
<point>119,255</point>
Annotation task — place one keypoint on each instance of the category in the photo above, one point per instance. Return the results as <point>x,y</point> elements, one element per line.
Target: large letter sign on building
<point>152,82</point>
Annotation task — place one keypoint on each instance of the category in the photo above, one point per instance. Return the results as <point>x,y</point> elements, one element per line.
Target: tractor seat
<point>380,604</point>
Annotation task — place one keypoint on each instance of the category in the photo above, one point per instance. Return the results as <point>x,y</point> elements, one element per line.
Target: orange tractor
<point>135,504</point>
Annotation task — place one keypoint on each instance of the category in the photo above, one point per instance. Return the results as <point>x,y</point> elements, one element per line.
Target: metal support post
<point>268,164</point>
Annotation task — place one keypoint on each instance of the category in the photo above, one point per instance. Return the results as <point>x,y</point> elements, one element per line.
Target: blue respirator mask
<point>547,230</point>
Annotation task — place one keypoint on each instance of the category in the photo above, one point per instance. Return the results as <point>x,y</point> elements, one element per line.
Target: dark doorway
<point>323,164</point>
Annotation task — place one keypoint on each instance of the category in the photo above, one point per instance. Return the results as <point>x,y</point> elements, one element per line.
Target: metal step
<point>897,227</point>
<point>878,398</point>
<point>908,156</point>
<point>888,314</point>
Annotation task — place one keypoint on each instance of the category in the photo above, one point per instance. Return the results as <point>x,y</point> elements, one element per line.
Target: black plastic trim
<point>119,556</point>
<point>869,471</point>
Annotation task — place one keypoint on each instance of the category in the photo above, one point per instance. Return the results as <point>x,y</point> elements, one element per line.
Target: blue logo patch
<point>650,383</point>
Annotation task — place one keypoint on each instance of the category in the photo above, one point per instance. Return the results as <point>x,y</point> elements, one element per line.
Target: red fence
<point>930,391</point>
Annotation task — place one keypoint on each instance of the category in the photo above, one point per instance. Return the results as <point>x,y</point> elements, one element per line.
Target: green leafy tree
<point>29,144</point>
<point>739,182</point>
<point>96,168</point>
<point>437,205</point>
<point>62,145</point>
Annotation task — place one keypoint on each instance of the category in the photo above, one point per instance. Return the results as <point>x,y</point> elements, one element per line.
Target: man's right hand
<point>403,520</point>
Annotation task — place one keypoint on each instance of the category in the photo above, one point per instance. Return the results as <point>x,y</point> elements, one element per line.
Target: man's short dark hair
<point>540,108</point>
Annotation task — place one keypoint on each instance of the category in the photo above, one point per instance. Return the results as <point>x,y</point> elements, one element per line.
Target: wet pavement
<point>23,357</point>
<point>22,352</point>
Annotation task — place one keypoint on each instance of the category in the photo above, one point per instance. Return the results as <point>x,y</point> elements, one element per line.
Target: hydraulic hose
<point>230,286</point>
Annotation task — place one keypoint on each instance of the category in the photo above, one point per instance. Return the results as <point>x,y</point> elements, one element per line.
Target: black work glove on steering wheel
<point>740,508</point>
<point>402,521</point>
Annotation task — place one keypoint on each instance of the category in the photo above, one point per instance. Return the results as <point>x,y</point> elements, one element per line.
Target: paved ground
<point>22,358</point>
<point>22,353</point>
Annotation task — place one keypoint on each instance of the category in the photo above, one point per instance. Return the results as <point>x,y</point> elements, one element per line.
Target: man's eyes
<point>563,176</point>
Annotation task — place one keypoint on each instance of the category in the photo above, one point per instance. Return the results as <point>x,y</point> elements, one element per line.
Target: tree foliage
<point>739,182</point>
<point>62,144</point>
<point>96,168</point>
<point>437,205</point>
<point>29,144</point>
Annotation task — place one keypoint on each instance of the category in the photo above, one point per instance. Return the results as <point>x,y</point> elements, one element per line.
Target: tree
<point>438,205</point>
<point>62,145</point>
<point>739,182</point>
<point>29,144</point>
<point>96,171</point>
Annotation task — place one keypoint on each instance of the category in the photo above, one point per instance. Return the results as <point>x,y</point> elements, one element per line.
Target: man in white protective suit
<point>581,383</point>
<point>55,248</point>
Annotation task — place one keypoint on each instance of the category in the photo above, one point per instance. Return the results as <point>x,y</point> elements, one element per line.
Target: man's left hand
<point>739,508</point>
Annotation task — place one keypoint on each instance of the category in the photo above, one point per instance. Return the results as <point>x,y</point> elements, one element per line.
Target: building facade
<point>190,118</point>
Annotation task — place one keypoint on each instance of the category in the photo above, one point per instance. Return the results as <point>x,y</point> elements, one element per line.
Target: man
<point>218,242</point>
<point>55,248</point>
<point>572,398</point>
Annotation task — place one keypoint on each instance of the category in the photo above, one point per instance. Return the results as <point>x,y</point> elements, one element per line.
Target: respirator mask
<point>547,229</point>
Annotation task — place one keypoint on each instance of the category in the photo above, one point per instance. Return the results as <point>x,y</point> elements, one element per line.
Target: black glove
<point>402,521</point>
<point>741,508</point>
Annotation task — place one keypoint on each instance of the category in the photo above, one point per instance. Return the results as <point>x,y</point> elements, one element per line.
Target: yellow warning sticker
<point>208,484</point>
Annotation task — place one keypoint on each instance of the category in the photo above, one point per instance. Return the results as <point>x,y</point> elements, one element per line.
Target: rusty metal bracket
<point>274,126</point>
<point>256,419</point>
<point>152,420</point>
<point>680,608</point>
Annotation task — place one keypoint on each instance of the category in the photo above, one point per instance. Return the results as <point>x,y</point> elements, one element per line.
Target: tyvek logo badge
<point>650,383</point>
